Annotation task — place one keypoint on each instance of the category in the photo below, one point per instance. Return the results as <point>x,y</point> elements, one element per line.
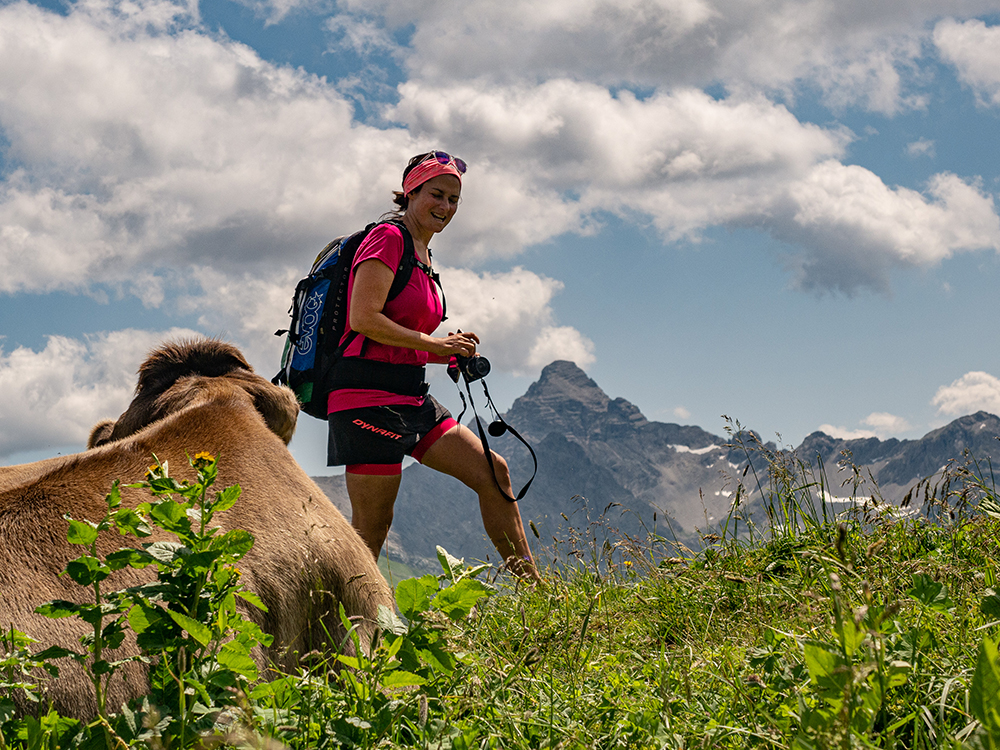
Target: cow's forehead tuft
<point>176,359</point>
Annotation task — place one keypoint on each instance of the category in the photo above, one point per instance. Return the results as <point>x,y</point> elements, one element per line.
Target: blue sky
<point>784,212</point>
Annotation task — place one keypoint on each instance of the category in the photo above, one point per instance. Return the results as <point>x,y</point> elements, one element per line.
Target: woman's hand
<point>461,343</point>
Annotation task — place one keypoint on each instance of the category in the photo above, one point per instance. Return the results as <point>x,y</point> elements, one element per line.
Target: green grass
<point>781,643</point>
<point>803,630</point>
<point>395,571</point>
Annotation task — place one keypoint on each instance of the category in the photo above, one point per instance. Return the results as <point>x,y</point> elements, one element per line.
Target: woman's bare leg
<point>372,500</point>
<point>459,453</point>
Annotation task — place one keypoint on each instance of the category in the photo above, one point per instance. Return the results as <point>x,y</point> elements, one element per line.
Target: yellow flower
<point>202,460</point>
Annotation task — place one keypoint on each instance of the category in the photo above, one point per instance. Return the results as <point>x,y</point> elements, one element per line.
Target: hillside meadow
<point>790,627</point>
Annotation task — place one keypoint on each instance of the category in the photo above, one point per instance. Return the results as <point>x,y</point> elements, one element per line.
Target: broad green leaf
<point>195,629</point>
<point>202,560</point>
<point>400,678</point>
<point>128,521</point>
<point>101,666</point>
<point>253,599</point>
<point>251,631</point>
<point>166,485</point>
<point>457,600</point>
<point>930,593</point>
<point>439,659</point>
<point>225,499</point>
<point>113,635</point>
<point>235,657</point>
<point>821,659</point>
<point>166,551</point>
<point>124,558</point>
<point>236,542</point>
<point>141,618</point>
<point>984,693</point>
<point>54,652</point>
<point>86,570</point>
<point>389,621</point>
<point>113,498</point>
<point>452,565</point>
<point>413,595</point>
<point>171,516</point>
<point>852,636</point>
<point>350,661</point>
<point>393,648</point>
<point>58,608</point>
<point>898,671</point>
<point>81,532</point>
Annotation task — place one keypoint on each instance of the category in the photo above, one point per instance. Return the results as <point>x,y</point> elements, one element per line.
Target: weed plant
<point>794,625</point>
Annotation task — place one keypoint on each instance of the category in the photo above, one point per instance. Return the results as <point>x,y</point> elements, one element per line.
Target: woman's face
<point>435,202</point>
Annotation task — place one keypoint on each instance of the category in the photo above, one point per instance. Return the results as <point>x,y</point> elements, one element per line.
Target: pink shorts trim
<point>432,437</point>
<point>377,470</point>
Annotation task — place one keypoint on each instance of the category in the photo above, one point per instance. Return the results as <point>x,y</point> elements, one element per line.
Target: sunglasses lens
<point>444,157</point>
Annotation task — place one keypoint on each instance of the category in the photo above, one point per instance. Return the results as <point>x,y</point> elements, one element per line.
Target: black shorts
<point>374,439</point>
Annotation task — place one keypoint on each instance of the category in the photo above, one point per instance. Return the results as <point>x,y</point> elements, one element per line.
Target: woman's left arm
<point>372,279</point>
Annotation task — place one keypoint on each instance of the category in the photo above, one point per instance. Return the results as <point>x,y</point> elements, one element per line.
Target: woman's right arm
<point>372,279</point>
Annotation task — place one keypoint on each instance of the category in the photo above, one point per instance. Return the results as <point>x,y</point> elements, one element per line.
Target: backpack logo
<point>310,320</point>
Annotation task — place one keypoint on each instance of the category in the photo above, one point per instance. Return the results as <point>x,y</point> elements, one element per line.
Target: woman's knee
<point>501,468</point>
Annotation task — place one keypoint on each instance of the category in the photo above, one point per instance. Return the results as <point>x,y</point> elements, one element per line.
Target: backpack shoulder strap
<point>406,264</point>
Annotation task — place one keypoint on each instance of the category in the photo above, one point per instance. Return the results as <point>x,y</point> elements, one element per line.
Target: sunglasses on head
<point>444,157</point>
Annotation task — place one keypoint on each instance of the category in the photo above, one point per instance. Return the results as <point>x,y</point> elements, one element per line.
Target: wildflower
<point>202,460</point>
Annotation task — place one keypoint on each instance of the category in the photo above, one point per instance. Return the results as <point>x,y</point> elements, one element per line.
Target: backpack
<point>319,317</point>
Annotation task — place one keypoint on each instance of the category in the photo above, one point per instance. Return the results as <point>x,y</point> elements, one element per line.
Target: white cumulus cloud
<point>854,228</point>
<point>879,424</point>
<point>974,391</point>
<point>886,424</point>
<point>854,52</point>
<point>974,49</point>
<point>510,312</point>
<point>142,147</point>
<point>920,147</point>
<point>53,397</point>
<point>844,433</point>
<point>688,161</point>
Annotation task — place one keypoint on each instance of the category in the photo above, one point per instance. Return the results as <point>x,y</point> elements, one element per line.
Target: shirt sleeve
<point>384,243</point>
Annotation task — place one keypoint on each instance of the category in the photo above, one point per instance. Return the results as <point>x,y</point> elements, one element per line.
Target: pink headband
<point>428,170</point>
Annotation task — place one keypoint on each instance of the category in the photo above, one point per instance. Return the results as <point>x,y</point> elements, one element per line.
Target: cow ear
<point>278,406</point>
<point>101,433</point>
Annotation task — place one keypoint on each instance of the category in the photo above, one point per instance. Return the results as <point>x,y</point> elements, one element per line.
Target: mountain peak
<point>566,401</point>
<point>564,379</point>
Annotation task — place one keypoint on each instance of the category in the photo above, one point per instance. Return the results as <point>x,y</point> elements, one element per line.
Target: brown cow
<point>191,397</point>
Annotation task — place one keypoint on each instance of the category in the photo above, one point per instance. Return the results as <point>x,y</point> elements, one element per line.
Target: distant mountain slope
<point>897,464</point>
<point>595,452</point>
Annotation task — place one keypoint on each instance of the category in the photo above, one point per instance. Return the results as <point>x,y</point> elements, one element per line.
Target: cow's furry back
<point>306,558</point>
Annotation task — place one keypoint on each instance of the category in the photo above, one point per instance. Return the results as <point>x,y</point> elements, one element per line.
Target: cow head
<point>184,373</point>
